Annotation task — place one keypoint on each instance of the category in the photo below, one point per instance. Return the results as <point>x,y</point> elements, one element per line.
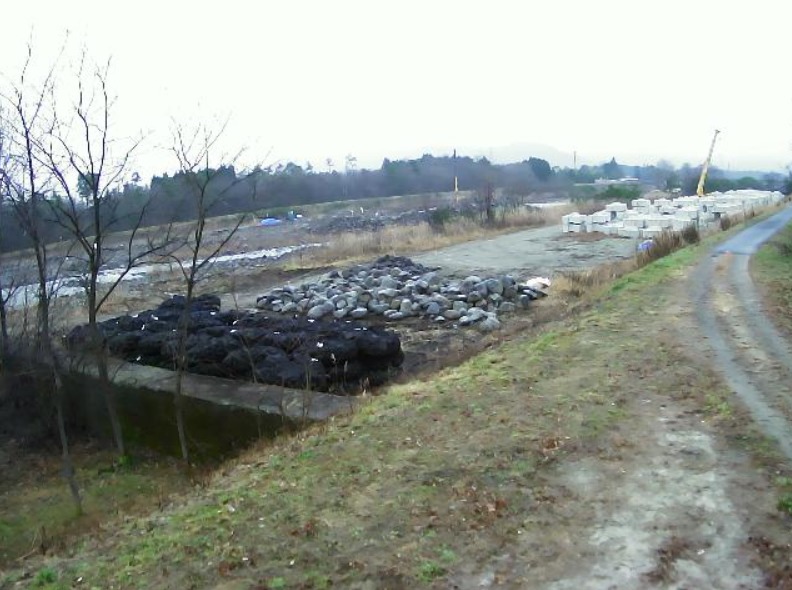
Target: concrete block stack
<point>599,221</point>
<point>616,210</point>
<point>643,206</point>
<point>648,218</point>
<point>574,223</point>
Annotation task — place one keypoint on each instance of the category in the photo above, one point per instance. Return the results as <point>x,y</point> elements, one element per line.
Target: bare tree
<point>5,289</point>
<point>80,146</point>
<point>194,150</point>
<point>24,182</point>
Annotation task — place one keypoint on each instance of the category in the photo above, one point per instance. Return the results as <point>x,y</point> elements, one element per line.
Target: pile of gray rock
<point>367,221</point>
<point>395,288</point>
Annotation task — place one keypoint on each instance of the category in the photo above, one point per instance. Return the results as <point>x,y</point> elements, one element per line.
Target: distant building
<point>628,180</point>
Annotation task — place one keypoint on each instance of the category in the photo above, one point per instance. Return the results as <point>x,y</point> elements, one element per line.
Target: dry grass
<point>585,207</point>
<point>662,245</point>
<point>422,237</point>
<point>575,284</point>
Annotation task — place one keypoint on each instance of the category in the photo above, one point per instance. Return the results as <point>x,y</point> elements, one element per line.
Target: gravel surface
<point>543,251</point>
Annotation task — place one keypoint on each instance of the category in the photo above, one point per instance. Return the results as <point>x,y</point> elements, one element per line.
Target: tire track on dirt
<point>749,352</point>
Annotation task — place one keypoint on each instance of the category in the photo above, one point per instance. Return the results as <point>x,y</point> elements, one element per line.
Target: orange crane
<point>705,168</point>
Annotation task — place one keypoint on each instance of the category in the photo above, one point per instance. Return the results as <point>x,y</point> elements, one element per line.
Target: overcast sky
<point>308,80</point>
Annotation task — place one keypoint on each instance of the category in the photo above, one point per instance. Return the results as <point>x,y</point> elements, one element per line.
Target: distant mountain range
<point>519,151</point>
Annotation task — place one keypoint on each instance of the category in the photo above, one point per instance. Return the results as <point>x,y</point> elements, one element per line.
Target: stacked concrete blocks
<point>647,218</point>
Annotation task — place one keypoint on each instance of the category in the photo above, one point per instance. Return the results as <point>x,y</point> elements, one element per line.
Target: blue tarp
<point>270,221</point>
<point>645,245</point>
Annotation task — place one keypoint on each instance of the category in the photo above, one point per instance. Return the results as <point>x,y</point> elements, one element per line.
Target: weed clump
<point>690,234</point>
<point>784,247</point>
<point>785,503</point>
<point>662,245</point>
<point>440,217</point>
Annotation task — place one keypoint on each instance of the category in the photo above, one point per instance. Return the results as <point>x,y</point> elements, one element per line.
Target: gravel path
<point>747,349</point>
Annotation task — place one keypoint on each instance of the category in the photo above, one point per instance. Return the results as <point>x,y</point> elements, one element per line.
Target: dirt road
<point>668,502</point>
<point>747,349</point>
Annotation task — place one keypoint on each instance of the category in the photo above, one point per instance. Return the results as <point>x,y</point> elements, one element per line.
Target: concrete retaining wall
<point>221,415</point>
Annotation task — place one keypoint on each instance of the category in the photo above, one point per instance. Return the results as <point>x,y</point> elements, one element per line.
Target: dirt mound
<point>334,356</point>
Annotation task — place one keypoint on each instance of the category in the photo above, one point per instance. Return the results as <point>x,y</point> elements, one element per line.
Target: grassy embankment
<point>772,269</point>
<point>431,475</point>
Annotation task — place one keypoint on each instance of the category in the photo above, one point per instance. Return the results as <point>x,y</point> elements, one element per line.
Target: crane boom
<point>705,168</point>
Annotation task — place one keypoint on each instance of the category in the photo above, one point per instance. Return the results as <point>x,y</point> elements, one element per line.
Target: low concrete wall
<point>221,415</point>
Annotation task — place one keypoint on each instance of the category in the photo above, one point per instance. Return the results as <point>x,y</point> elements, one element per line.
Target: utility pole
<point>456,180</point>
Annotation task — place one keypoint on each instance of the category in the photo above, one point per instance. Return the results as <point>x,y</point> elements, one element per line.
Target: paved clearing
<point>543,251</point>
<point>540,251</point>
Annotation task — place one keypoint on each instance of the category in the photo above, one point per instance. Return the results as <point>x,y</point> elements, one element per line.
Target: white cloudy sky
<point>307,80</point>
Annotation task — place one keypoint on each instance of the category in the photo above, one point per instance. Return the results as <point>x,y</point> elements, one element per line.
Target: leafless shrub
<point>662,245</point>
<point>690,234</point>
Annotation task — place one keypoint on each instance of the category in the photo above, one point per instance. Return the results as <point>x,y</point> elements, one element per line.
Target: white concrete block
<point>635,222</point>
<point>687,212</point>
<point>630,232</point>
<point>651,232</point>
<point>678,224</point>
<point>663,221</point>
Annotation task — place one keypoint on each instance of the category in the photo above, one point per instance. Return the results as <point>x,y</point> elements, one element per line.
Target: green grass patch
<point>772,269</point>
<point>429,571</point>
<point>785,503</point>
<point>717,403</point>
<point>655,272</point>
<point>37,509</point>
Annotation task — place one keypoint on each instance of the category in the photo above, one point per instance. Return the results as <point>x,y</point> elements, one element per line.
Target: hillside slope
<point>597,451</point>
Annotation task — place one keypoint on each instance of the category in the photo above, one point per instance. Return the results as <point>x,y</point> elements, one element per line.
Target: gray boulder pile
<point>395,288</point>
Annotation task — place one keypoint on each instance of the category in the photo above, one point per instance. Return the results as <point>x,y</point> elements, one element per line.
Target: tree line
<point>167,197</point>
